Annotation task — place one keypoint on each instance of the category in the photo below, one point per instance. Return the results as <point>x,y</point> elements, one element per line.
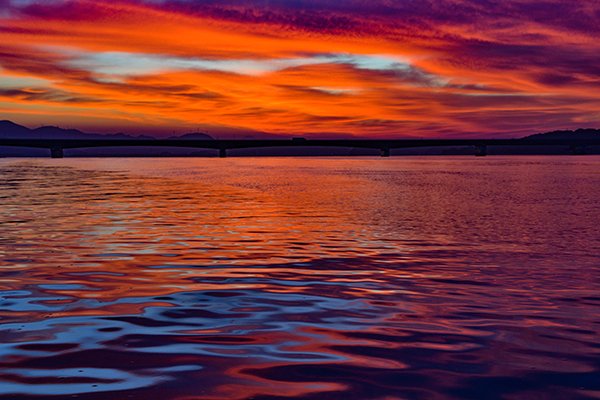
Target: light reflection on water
<point>311,278</point>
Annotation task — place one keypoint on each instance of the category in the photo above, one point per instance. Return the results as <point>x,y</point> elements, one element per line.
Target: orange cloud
<point>346,70</point>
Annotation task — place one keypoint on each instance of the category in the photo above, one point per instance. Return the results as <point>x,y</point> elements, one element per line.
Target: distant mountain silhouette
<point>193,136</point>
<point>10,130</point>
<point>579,134</point>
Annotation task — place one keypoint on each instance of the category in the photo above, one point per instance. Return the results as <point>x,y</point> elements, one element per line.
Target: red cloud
<point>518,68</point>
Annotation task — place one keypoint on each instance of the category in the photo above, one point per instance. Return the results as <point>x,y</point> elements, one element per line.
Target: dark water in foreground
<point>402,278</point>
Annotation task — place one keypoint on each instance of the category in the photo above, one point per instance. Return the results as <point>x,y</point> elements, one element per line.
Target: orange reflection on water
<point>306,278</point>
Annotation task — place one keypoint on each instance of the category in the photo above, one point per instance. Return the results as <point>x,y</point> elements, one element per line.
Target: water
<point>311,278</point>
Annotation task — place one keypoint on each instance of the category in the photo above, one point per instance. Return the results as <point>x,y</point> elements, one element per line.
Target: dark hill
<point>193,136</point>
<point>579,134</point>
<point>10,130</point>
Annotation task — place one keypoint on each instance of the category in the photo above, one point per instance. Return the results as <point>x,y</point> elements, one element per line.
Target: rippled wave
<point>418,278</point>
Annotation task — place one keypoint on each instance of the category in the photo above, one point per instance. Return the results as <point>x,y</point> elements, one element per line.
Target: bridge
<point>57,146</point>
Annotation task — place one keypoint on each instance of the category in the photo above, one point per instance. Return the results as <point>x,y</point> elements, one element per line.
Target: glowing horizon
<point>448,68</point>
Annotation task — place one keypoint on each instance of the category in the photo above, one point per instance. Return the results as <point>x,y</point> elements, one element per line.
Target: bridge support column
<point>56,152</point>
<point>385,152</point>
<point>222,153</point>
<point>481,150</point>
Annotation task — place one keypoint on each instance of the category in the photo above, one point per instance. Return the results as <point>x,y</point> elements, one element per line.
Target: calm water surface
<point>304,278</point>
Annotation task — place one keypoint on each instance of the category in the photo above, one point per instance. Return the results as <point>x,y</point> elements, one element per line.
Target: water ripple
<point>300,278</point>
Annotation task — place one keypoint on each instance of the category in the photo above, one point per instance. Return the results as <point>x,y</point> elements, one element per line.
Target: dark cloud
<point>50,95</point>
<point>392,14</point>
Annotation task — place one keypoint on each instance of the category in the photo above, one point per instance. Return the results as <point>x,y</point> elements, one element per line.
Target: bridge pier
<point>385,152</point>
<point>56,152</point>
<point>222,153</point>
<point>481,150</point>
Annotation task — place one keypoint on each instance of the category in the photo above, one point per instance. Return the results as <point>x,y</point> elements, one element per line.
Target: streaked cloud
<point>134,64</point>
<point>323,67</point>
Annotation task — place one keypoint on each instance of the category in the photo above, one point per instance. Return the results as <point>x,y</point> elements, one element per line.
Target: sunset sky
<point>320,68</point>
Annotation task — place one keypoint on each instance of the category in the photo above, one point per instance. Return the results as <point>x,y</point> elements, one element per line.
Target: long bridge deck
<point>56,146</point>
